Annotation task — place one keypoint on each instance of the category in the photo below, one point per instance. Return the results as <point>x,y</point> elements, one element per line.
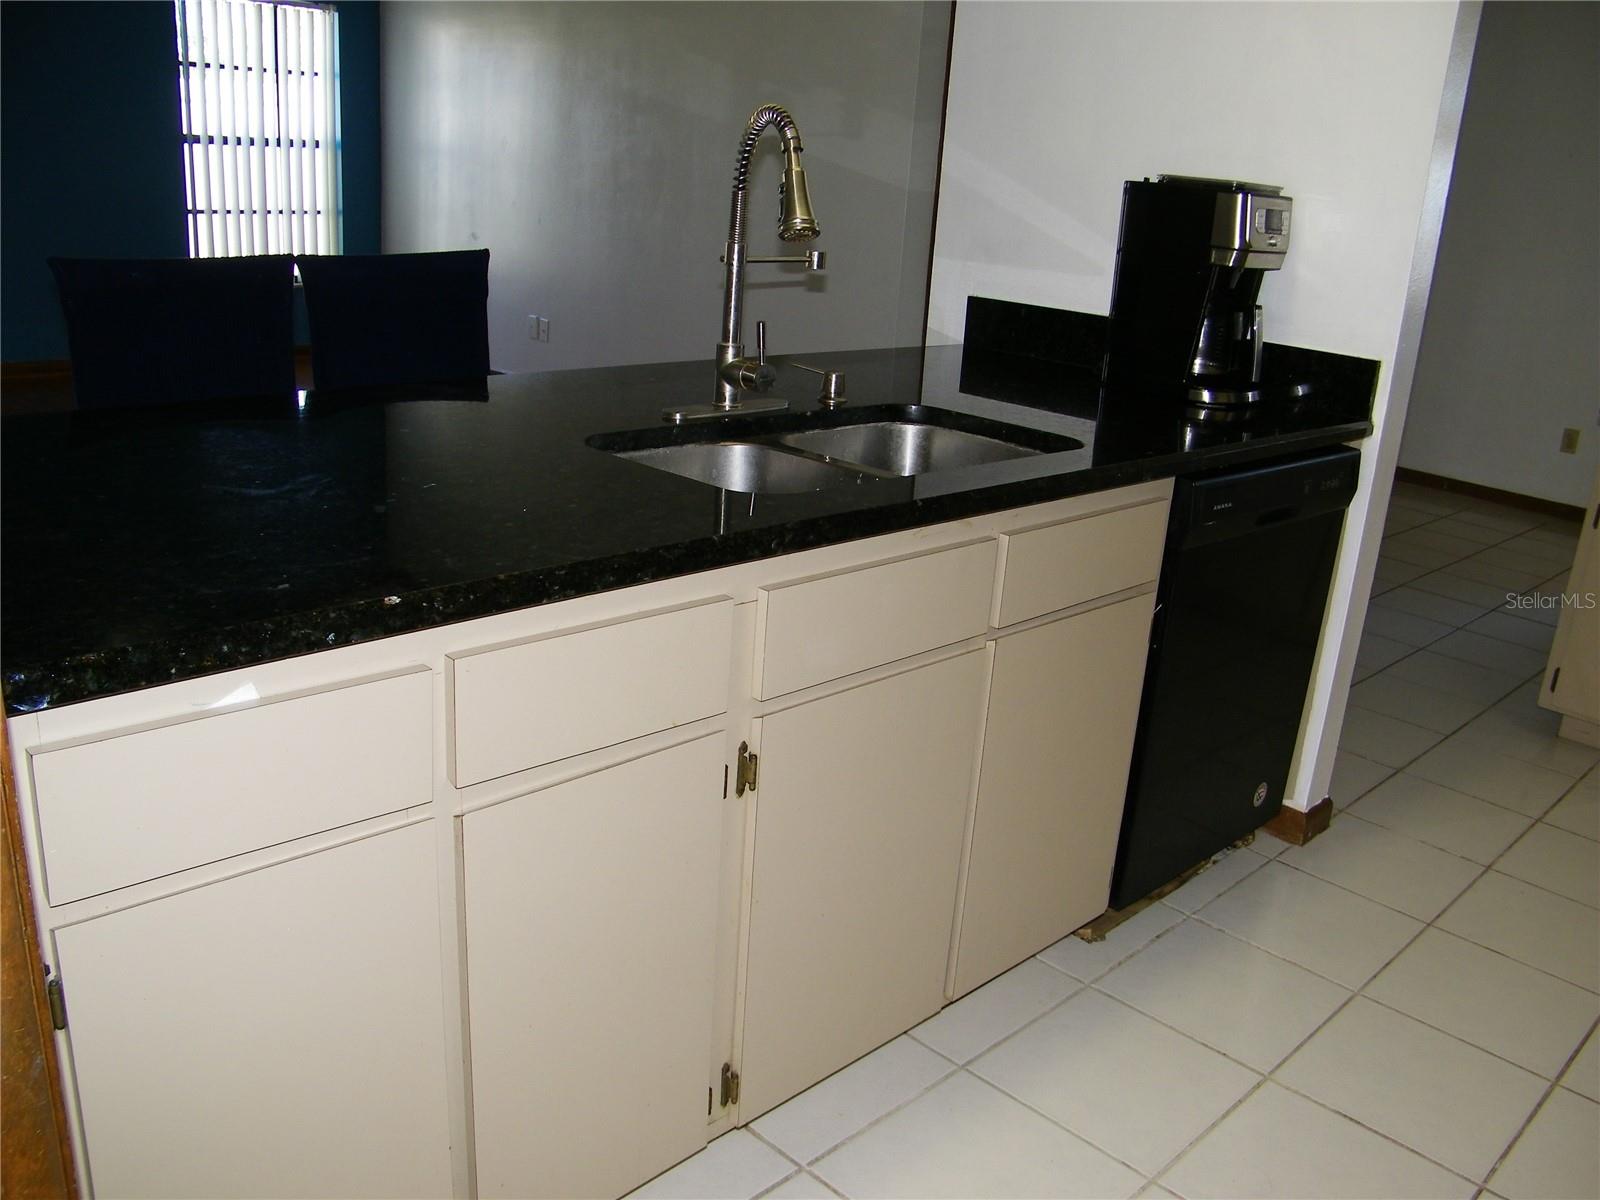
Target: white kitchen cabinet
<point>860,812</point>
<point>1572,676</point>
<point>591,918</point>
<point>1063,706</point>
<point>279,1033</point>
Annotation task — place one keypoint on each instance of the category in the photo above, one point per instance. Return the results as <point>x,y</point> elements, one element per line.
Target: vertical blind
<point>256,84</point>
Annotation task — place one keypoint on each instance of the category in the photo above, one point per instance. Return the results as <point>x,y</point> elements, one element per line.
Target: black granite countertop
<point>156,545</point>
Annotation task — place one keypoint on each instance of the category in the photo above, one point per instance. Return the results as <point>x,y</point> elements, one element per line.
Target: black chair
<point>169,330</point>
<point>397,318</point>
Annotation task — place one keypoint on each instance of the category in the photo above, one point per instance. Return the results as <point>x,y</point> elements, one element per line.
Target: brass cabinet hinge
<point>730,1085</point>
<point>57,1000</point>
<point>745,779</point>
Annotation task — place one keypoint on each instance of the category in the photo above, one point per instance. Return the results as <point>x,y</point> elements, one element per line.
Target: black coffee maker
<point>1190,258</point>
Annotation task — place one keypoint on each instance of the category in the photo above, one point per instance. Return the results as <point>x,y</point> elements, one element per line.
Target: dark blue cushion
<point>397,318</point>
<point>168,330</point>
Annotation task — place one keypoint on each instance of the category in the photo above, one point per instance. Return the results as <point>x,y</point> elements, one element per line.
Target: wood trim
<point>35,1155</point>
<point>1298,827</point>
<point>1549,508</point>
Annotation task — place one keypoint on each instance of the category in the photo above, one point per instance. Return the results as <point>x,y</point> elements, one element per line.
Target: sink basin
<point>811,451</point>
<point>905,447</point>
<point>745,467</point>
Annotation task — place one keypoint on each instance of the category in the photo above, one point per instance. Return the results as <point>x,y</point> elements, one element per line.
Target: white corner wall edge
<point>1311,774</point>
<point>1364,135</point>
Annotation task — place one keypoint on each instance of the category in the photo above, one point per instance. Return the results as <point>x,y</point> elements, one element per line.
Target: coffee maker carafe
<point>1190,259</point>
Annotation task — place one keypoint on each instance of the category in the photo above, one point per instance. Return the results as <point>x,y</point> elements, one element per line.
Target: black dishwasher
<point>1244,585</point>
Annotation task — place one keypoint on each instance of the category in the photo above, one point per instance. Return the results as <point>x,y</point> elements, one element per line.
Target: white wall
<point>591,147</point>
<point>1511,350</point>
<point>1053,106</point>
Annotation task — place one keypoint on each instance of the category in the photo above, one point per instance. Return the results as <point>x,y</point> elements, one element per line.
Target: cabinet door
<point>1063,706</point>
<point>276,1034</point>
<point>591,947</point>
<point>860,812</point>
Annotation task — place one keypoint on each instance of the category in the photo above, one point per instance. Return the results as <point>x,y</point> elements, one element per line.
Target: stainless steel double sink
<point>806,452</point>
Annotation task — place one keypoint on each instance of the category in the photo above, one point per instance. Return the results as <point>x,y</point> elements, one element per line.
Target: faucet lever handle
<point>761,343</point>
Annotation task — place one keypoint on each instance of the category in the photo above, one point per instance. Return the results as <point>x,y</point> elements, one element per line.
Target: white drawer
<point>146,803</point>
<point>1051,567</point>
<point>811,630</point>
<point>528,703</point>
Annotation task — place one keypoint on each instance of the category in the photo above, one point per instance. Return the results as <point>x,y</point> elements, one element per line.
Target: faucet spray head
<point>796,221</point>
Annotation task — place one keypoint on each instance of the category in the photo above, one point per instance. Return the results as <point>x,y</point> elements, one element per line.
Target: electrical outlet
<point>1569,441</point>
<point>538,328</point>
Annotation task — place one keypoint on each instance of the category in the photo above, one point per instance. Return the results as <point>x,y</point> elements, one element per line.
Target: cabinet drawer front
<point>812,630</point>
<point>568,692</point>
<point>1056,566</point>
<point>148,803</point>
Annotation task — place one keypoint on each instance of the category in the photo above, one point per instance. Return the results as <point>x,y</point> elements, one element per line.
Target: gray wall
<point>1511,349</point>
<point>591,147</point>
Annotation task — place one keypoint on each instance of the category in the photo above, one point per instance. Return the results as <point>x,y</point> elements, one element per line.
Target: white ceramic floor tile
<point>1542,604</point>
<point>1387,693</point>
<point>1492,1001</point>
<point>1563,862</point>
<point>1465,679</point>
<point>1385,866</point>
<point>998,1009</point>
<point>964,1139</point>
<point>1492,652</point>
<point>1530,925</point>
<point>1418,498</point>
<point>736,1166</point>
<point>1431,558</point>
<point>1253,1156</point>
<point>1249,1004</point>
<point>1089,960</point>
<point>1226,869</point>
<point>1443,817</point>
<point>1480,582</point>
<point>1130,1085</point>
<point>1391,573</point>
<point>1558,1157</point>
<point>1418,603</point>
<point>801,1186</point>
<point>1399,519</point>
<point>823,1115</point>
<point>1377,652</point>
<point>1517,726</point>
<point>1526,553</point>
<point>1458,1105</point>
<point>1579,810</point>
<point>1399,549</point>
<point>1583,1076</point>
<point>1479,536</point>
<point>1476,764</point>
<point>1562,537</point>
<point>1337,934</point>
<point>1508,627</point>
<point>1354,777</point>
<point>1384,739</point>
<point>1438,539</point>
<point>1498,517</point>
<point>1404,627</point>
<point>1268,845</point>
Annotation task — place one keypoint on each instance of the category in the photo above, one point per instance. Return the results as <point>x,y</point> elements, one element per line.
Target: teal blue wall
<point>92,165</point>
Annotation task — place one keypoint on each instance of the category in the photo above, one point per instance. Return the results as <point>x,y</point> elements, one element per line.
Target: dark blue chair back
<point>168,330</point>
<point>397,318</point>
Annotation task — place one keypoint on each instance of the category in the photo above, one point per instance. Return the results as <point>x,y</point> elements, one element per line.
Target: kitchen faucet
<point>738,375</point>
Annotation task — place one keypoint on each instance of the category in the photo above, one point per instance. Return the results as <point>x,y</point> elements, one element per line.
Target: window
<point>259,110</point>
